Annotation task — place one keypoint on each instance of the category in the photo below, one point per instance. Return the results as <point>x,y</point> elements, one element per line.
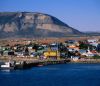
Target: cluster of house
<point>68,49</point>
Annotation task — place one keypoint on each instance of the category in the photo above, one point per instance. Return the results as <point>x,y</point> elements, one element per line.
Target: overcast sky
<point>83,15</point>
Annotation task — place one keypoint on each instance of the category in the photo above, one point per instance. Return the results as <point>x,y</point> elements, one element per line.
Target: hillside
<point>31,24</point>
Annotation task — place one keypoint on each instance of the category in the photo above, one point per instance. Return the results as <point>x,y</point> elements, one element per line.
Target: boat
<point>40,65</point>
<point>7,65</point>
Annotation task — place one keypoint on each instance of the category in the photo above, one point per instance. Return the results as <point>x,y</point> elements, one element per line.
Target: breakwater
<point>25,65</point>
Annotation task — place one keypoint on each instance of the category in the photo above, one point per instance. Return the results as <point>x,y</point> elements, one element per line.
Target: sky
<point>83,15</point>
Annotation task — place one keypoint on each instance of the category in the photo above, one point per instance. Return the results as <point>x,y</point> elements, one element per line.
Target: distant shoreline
<point>86,61</point>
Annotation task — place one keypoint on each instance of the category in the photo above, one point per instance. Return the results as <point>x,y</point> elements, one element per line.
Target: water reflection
<point>6,70</point>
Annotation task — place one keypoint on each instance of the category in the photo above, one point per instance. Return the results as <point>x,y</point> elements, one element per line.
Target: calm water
<point>53,75</point>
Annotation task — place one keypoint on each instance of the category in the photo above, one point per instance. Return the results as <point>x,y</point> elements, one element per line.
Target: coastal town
<point>50,43</point>
<point>75,50</point>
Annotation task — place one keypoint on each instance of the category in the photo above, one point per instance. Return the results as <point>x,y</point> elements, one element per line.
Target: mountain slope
<point>28,24</point>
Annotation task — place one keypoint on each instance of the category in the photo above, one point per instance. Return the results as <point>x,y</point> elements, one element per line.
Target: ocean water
<point>70,74</point>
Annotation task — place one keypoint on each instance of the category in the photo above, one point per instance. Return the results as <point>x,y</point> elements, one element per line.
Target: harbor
<point>15,64</point>
<point>22,63</point>
<point>24,54</point>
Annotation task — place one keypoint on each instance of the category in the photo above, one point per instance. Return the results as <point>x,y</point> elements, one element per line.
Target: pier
<point>28,62</point>
<point>25,63</point>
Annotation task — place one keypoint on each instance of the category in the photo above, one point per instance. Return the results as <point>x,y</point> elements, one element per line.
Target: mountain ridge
<point>33,24</point>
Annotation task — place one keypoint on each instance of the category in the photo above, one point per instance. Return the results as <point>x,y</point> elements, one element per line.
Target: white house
<point>88,53</point>
<point>93,42</point>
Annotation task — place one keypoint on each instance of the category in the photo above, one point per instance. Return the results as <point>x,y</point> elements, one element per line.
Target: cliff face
<point>27,24</point>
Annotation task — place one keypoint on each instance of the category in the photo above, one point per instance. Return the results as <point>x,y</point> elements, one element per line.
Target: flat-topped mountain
<point>31,24</point>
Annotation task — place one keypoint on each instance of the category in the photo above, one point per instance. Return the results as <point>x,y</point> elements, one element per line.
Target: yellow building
<point>51,54</point>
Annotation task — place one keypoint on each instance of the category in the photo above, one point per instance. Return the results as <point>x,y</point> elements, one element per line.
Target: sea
<point>70,74</point>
